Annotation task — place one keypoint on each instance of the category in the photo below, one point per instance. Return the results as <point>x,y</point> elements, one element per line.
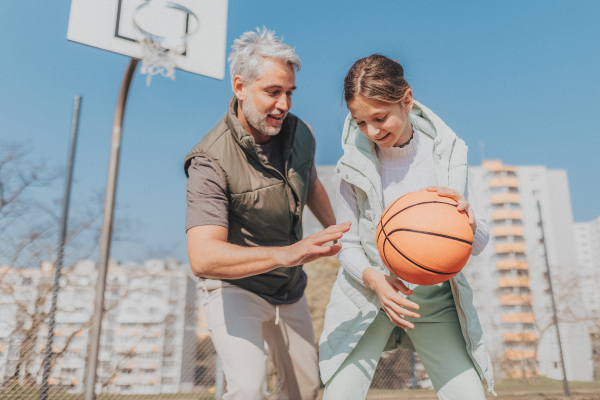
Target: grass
<point>17,392</point>
<point>538,388</point>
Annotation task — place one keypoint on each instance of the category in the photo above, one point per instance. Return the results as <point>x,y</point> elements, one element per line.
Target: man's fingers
<point>332,233</point>
<point>323,237</point>
<point>343,227</point>
<point>332,250</point>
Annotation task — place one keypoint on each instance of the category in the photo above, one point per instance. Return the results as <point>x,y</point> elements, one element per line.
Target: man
<point>248,181</point>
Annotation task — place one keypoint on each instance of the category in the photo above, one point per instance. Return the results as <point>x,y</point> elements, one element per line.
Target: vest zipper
<point>292,215</point>
<point>287,198</point>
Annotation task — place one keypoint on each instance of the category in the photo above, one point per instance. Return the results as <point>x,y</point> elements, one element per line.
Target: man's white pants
<point>240,322</point>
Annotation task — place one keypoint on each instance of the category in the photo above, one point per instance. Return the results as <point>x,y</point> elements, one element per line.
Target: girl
<point>394,145</point>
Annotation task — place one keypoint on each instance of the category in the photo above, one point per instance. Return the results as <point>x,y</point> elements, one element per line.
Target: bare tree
<point>29,225</point>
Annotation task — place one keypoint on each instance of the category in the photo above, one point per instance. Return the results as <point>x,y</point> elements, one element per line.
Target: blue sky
<point>519,79</point>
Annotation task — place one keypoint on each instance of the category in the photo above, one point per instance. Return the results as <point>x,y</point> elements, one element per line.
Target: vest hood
<point>358,147</point>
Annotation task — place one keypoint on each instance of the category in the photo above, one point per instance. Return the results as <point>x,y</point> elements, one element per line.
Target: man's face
<point>266,101</point>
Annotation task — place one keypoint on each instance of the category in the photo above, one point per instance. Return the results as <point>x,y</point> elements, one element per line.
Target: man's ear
<point>239,88</point>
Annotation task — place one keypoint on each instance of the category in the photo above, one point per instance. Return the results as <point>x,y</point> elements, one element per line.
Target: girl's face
<point>386,124</point>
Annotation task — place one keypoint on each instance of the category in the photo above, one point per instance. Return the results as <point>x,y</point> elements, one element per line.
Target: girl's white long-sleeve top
<point>403,170</point>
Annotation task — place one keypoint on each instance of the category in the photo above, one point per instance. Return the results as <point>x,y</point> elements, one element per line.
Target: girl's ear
<point>407,101</point>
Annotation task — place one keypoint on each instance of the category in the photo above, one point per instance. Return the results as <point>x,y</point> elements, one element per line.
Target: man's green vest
<point>258,194</point>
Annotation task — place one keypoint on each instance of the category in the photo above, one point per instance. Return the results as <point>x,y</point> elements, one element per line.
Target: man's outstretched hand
<point>313,247</point>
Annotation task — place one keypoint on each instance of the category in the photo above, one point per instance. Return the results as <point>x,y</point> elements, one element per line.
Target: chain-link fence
<point>155,345</point>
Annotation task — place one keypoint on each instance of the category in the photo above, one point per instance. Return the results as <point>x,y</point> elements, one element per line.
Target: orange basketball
<point>423,239</point>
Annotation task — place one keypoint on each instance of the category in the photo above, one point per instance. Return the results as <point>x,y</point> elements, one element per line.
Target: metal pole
<point>554,316</point>
<point>111,185</point>
<point>413,377</point>
<point>47,363</point>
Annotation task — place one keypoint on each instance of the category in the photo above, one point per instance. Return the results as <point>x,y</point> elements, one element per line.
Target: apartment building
<point>148,331</point>
<point>587,241</point>
<point>528,273</point>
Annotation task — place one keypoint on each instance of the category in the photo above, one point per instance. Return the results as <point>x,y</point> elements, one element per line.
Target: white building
<point>587,242</point>
<point>148,331</point>
<point>528,209</point>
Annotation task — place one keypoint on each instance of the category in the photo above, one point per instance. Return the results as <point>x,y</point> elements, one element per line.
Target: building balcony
<point>504,265</point>
<point>514,247</point>
<point>508,231</point>
<point>499,215</point>
<point>515,355</point>
<point>510,182</point>
<point>141,364</point>
<point>519,336</point>
<point>522,373</point>
<point>497,166</point>
<point>503,198</point>
<point>512,300</point>
<point>513,282</point>
<point>518,318</point>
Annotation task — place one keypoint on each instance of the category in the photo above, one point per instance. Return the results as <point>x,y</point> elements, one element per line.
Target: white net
<point>163,28</point>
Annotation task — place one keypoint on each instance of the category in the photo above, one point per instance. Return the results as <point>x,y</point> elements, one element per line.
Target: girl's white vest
<point>353,307</point>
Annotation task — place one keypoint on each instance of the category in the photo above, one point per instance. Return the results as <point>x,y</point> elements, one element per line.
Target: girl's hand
<point>394,305</point>
<point>463,204</point>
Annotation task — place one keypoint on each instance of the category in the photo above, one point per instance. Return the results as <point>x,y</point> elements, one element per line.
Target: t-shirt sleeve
<point>207,201</point>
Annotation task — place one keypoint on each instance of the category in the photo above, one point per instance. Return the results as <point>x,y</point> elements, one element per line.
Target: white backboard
<point>108,25</point>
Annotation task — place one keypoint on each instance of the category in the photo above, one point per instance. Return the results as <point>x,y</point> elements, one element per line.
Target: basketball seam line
<point>429,233</point>
<point>406,208</point>
<point>414,262</point>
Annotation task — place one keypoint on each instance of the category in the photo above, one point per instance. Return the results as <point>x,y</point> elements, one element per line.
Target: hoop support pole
<point>106,234</point>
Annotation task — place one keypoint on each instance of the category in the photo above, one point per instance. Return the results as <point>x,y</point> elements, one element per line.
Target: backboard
<point>108,25</point>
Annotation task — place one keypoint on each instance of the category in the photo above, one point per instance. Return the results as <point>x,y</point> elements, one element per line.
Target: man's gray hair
<point>252,48</point>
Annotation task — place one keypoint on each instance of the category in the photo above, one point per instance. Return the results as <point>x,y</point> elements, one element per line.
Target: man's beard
<point>257,120</point>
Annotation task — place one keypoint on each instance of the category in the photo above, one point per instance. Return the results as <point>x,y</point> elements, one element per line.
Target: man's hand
<point>211,256</point>
<point>313,247</point>
<point>394,305</point>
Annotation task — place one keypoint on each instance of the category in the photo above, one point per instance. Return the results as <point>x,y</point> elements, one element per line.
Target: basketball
<point>423,239</point>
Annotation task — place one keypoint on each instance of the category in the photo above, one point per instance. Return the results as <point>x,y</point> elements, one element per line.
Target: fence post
<point>413,377</point>
<point>48,355</point>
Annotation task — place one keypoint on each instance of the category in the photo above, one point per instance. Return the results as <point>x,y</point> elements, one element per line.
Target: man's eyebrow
<point>275,86</point>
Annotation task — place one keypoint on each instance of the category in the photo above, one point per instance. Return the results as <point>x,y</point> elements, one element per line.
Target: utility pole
<point>554,316</point>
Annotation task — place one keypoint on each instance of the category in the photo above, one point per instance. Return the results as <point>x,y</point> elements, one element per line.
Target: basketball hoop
<point>163,27</point>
